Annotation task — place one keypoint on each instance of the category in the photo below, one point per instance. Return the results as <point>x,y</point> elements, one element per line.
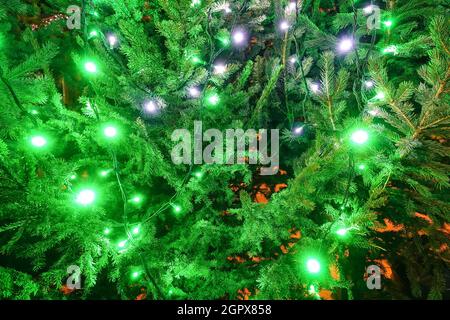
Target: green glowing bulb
<point>177,208</point>
<point>198,174</point>
<point>213,99</point>
<point>135,230</point>
<point>104,173</point>
<point>225,41</point>
<point>196,60</point>
<point>90,67</point>
<point>136,199</point>
<point>110,132</point>
<point>360,136</point>
<point>34,111</point>
<point>388,23</point>
<point>93,33</point>
<point>107,231</point>
<point>122,244</point>
<point>85,197</point>
<point>342,232</point>
<point>73,177</point>
<point>38,141</point>
<point>195,3</point>
<point>362,167</point>
<point>313,265</point>
<point>135,274</point>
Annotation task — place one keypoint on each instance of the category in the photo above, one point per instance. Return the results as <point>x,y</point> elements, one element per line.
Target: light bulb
<point>135,230</point>
<point>345,45</point>
<point>110,132</point>
<point>238,37</point>
<point>90,67</point>
<point>298,130</point>
<point>85,197</point>
<point>360,136</point>
<point>315,87</point>
<point>220,68</point>
<point>313,265</point>
<point>293,59</point>
<point>369,84</point>
<point>112,40</point>
<point>122,244</point>
<point>284,25</point>
<point>107,231</point>
<point>194,92</point>
<point>151,106</point>
<point>38,141</point>
<point>368,10</point>
<point>341,232</point>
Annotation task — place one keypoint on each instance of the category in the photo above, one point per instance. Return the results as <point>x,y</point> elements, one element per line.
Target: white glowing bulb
<point>315,87</point>
<point>368,9</point>
<point>284,25</point>
<point>369,84</point>
<point>151,107</point>
<point>112,39</point>
<point>293,59</point>
<point>194,92</point>
<point>220,68</point>
<point>238,37</point>
<point>292,5</point>
<point>298,130</point>
<point>345,45</point>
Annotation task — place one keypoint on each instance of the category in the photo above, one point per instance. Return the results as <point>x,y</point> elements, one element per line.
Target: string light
<point>368,10</point>
<point>135,274</point>
<point>73,177</point>
<point>298,130</point>
<point>198,174</point>
<point>93,33</point>
<point>345,45</point>
<point>110,132</point>
<point>213,99</point>
<point>239,37</point>
<point>388,23</point>
<point>107,231</point>
<point>85,197</point>
<point>284,25</point>
<point>380,96</point>
<point>104,173</point>
<point>361,167</point>
<point>195,3</point>
<point>122,244</point>
<point>391,49</point>
<point>112,40</point>
<point>151,106</point>
<point>220,68</point>
<point>360,136</point>
<point>313,265</point>
<point>136,230</point>
<point>369,84</point>
<point>293,59</point>
<point>342,232</point>
<point>90,67</point>
<point>315,87</point>
<point>194,92</point>
<point>38,141</point>
<point>136,199</point>
<point>176,208</point>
